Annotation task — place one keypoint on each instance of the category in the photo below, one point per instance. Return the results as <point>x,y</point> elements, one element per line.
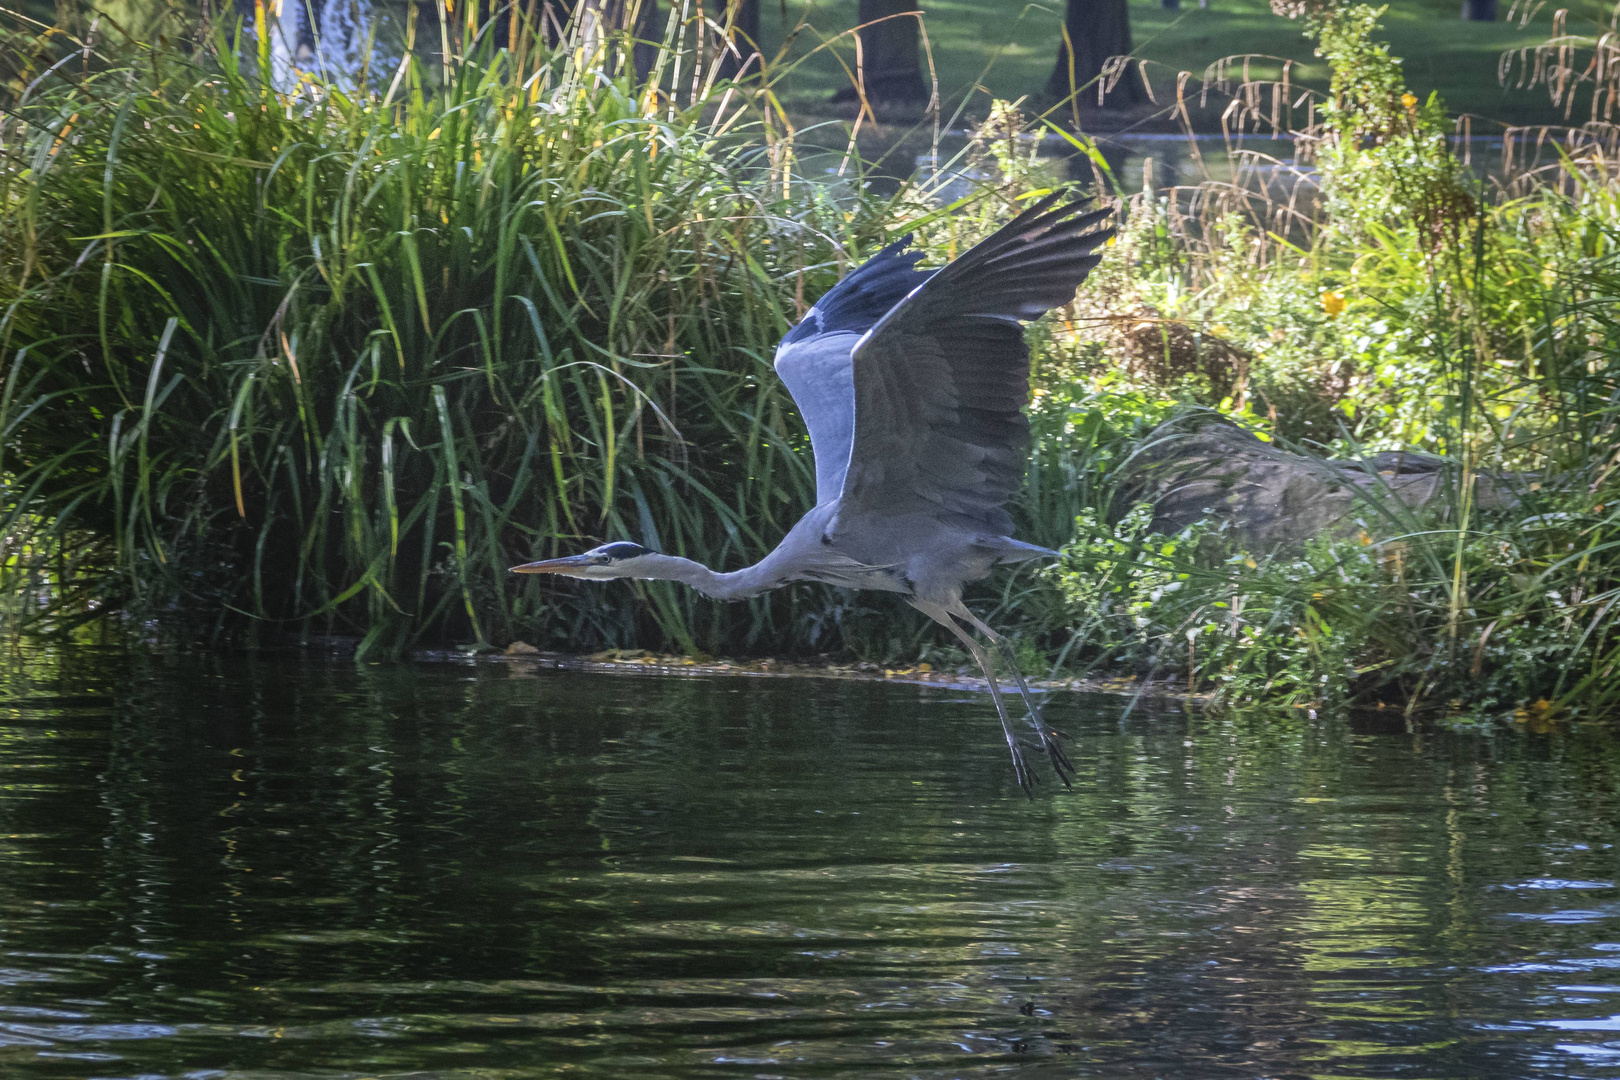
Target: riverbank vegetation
<point>287,355</point>
<point>257,372</point>
<point>1415,307</point>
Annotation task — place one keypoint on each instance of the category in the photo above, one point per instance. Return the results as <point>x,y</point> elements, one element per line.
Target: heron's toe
<point>1026,776</point>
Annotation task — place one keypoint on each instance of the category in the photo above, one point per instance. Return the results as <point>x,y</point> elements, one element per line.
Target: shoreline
<point>642,662</point>
<point>1155,123</point>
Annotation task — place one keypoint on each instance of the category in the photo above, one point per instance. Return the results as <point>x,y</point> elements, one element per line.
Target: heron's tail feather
<point>1008,550</point>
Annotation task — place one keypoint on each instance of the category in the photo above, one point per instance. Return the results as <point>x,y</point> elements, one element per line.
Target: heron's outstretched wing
<point>813,360</point>
<point>941,381</point>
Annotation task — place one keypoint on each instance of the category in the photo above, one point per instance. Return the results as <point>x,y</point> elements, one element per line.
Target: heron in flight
<point>913,385</point>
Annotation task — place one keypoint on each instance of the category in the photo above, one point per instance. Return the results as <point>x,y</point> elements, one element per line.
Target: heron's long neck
<point>737,585</point>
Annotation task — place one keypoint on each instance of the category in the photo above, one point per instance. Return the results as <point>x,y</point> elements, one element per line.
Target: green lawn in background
<point>1006,48</point>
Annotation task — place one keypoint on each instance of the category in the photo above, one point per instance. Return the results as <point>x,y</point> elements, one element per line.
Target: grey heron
<point>912,384</point>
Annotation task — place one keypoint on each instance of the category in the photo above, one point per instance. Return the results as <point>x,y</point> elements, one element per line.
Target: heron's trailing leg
<point>1050,736</point>
<point>1021,769</point>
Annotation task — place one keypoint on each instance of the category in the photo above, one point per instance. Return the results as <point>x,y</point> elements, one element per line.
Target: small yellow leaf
<point>1332,303</point>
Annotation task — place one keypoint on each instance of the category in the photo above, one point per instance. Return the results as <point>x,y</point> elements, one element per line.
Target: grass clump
<point>309,356</point>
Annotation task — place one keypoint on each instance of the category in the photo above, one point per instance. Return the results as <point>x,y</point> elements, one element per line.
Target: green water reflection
<point>275,868</point>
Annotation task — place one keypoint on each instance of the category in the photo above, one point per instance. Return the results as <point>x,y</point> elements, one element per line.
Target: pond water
<point>1135,161</point>
<point>281,867</point>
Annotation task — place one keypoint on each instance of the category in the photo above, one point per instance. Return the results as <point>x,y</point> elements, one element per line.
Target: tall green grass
<point>322,358</point>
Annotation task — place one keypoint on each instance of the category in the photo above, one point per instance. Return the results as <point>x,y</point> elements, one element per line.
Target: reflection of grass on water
<point>661,865</point>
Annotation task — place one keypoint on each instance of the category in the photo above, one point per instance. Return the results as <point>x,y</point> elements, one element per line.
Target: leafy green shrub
<point>1281,630</point>
<point>1346,621</point>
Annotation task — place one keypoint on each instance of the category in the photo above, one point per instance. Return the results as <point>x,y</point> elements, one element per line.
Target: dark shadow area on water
<point>271,866</point>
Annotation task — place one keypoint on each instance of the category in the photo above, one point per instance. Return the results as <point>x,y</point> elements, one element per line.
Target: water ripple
<point>278,870</point>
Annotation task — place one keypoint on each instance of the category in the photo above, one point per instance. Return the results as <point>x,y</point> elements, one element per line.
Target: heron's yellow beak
<point>570,565</point>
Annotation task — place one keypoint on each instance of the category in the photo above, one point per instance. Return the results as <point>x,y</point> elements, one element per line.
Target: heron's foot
<point>1026,776</point>
<point>1052,742</point>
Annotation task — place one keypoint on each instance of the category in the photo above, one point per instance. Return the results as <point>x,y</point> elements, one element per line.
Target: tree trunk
<point>1098,29</point>
<point>309,29</point>
<point>649,34</point>
<point>553,16</point>
<point>599,18</point>
<point>741,58</point>
<point>890,63</point>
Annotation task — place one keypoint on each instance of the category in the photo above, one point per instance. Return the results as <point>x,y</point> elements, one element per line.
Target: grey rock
<point>1269,498</point>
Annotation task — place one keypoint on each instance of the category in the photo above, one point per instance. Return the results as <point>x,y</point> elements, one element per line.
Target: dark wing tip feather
<point>1035,262</point>
<point>865,295</point>
<point>1039,221</point>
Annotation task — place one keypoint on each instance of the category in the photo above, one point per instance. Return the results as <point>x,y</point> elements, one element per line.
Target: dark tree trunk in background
<point>309,27</point>
<point>1479,10</point>
<point>1099,29</point>
<point>742,56</point>
<point>553,16</point>
<point>649,33</point>
<point>596,17</point>
<point>891,58</point>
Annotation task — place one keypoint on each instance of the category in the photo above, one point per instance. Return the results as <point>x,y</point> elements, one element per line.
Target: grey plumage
<point>913,386</point>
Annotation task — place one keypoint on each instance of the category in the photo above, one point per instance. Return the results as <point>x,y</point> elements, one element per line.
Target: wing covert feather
<point>818,374</point>
<point>813,360</point>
